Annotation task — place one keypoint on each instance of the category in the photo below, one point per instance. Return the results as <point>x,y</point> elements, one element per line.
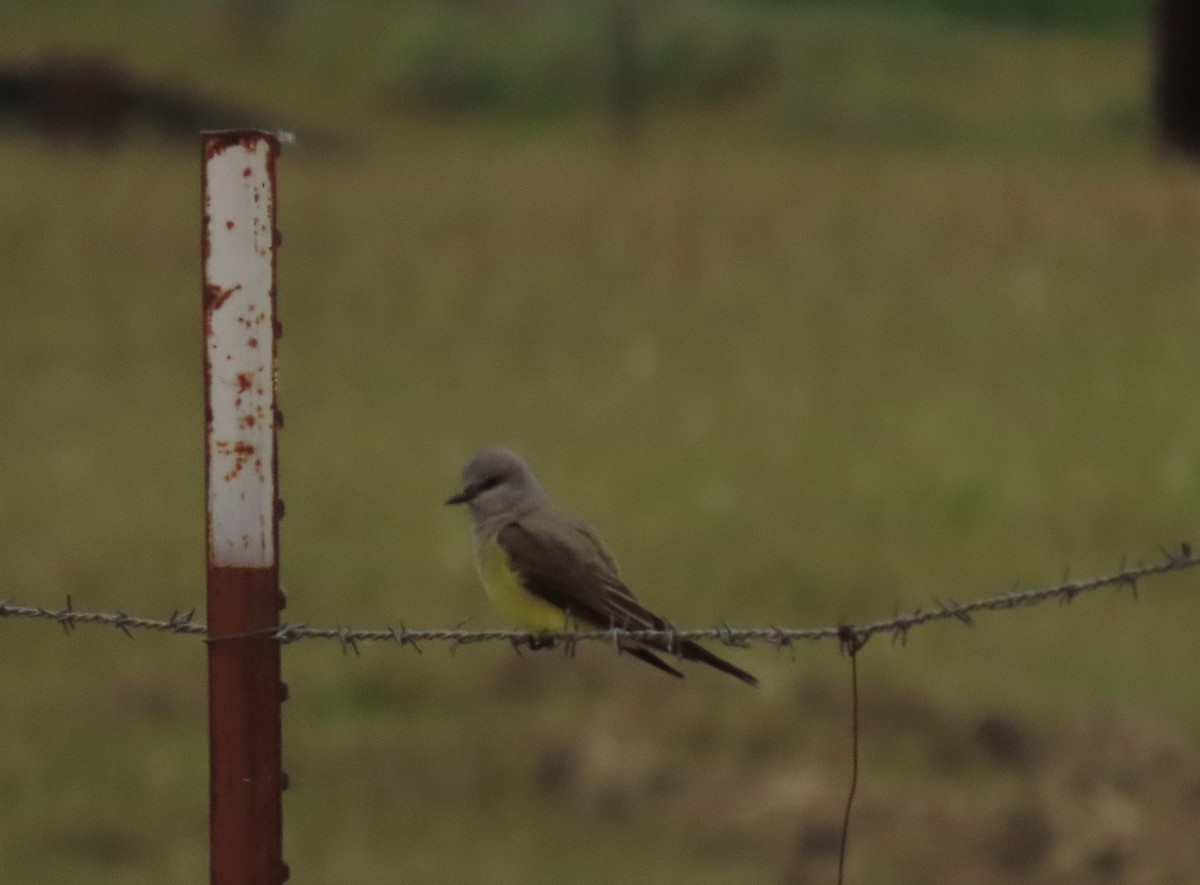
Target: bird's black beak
<point>461,497</point>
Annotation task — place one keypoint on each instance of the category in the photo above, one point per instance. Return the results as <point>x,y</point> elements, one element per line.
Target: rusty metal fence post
<point>242,477</point>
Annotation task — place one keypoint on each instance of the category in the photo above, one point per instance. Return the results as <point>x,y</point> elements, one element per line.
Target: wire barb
<point>64,617</point>
<point>401,636</point>
<point>851,639</point>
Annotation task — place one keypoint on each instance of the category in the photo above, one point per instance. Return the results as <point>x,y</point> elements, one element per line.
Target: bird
<point>547,570</point>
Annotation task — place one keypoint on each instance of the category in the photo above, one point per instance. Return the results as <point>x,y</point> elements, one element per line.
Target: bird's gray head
<point>498,482</point>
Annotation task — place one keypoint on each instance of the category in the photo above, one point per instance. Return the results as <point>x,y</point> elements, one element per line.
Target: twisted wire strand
<point>850,636</point>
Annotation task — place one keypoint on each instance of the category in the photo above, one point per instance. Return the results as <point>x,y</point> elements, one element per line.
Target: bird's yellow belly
<point>509,596</point>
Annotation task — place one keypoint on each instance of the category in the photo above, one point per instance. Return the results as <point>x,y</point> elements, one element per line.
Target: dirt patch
<point>943,796</point>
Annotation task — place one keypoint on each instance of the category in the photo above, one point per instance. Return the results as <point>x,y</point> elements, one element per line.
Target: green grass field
<point>908,319</point>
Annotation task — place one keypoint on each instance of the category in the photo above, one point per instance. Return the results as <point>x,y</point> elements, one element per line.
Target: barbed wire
<point>850,636</point>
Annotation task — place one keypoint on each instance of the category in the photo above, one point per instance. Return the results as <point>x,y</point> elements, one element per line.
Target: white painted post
<point>239,283</point>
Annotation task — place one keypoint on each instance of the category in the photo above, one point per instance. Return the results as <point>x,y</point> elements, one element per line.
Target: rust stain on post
<point>242,480</point>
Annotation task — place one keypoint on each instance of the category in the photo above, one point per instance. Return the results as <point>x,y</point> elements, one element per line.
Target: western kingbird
<point>547,569</point>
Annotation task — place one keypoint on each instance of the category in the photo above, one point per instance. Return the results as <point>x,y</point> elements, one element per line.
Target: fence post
<point>242,478</point>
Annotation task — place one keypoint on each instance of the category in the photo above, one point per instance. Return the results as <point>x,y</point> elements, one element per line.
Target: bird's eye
<point>490,483</point>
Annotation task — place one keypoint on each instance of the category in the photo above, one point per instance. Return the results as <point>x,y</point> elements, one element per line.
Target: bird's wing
<point>561,561</point>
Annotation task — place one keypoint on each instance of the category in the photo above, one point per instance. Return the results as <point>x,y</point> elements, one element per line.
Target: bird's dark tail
<point>652,659</point>
<point>691,651</point>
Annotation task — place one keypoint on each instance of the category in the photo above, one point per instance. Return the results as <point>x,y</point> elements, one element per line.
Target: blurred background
<point>817,310</point>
